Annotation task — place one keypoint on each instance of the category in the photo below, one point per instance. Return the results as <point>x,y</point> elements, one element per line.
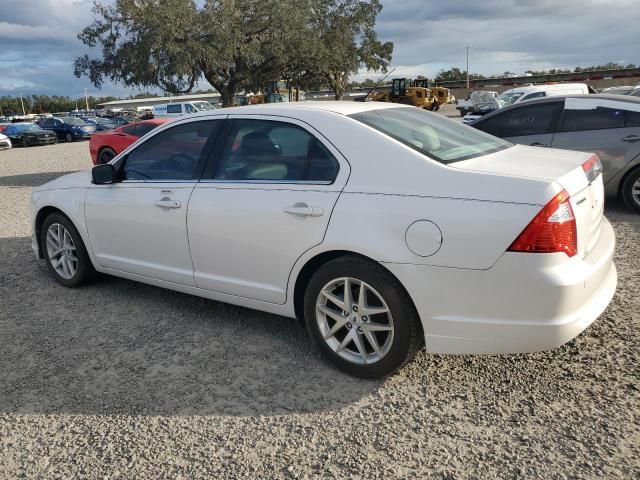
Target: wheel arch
<point>101,149</point>
<point>624,177</point>
<point>42,214</point>
<point>314,263</point>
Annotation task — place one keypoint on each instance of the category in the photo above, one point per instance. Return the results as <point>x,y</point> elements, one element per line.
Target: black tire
<point>407,332</point>
<point>632,201</point>
<point>85,272</point>
<point>68,137</point>
<point>106,155</point>
<point>24,142</point>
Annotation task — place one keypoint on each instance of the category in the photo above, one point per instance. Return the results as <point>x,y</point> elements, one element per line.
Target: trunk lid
<point>562,167</point>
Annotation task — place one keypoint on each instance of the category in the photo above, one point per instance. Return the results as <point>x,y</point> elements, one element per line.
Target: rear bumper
<point>525,303</point>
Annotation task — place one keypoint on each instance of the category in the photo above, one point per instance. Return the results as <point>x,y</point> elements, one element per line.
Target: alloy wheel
<point>635,191</point>
<point>354,321</point>
<point>62,251</point>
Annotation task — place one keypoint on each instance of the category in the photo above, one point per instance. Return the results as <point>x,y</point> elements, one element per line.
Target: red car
<point>107,144</point>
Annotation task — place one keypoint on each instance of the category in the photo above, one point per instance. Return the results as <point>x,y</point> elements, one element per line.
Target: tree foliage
<point>234,45</point>
<point>454,73</point>
<point>45,104</point>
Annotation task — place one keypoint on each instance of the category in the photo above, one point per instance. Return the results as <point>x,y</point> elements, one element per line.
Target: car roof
<point>558,98</point>
<point>289,108</point>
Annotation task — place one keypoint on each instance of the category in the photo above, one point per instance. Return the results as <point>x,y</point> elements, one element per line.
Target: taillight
<point>592,168</point>
<point>552,230</point>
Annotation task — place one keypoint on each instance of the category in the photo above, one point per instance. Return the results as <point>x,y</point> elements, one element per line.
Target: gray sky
<point>38,38</point>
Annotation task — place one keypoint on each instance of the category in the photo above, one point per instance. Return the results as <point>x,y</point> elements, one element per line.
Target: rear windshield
<point>432,134</point>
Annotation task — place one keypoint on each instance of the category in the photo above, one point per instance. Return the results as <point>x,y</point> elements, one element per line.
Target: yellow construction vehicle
<point>403,90</point>
<point>442,94</point>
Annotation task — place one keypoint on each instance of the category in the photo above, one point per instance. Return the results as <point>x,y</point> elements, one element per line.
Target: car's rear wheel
<point>68,137</point>
<point>631,190</point>
<point>64,252</point>
<point>361,317</point>
<point>106,155</point>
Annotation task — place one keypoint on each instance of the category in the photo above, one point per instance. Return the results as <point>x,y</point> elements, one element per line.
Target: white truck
<point>181,108</point>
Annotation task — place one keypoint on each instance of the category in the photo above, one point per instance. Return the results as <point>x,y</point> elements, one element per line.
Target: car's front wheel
<point>24,142</point>
<point>361,317</point>
<point>69,137</point>
<point>64,251</point>
<point>631,190</point>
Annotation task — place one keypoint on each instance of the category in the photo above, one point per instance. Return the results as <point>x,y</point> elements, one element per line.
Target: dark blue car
<point>68,128</point>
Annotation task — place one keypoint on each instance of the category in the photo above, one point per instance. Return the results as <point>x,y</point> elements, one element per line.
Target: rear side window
<point>174,108</point>
<point>632,119</point>
<point>265,150</point>
<point>129,130</point>
<point>521,121</point>
<point>598,118</point>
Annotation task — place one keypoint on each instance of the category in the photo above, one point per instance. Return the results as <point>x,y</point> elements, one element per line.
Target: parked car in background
<point>119,120</point>
<point>381,226</point>
<point>531,92</point>
<point>104,146</point>
<point>632,91</point>
<point>181,108</point>
<point>5,143</point>
<point>608,125</point>
<point>479,99</point>
<point>101,124</point>
<point>68,128</point>
<point>3,126</point>
<point>28,134</point>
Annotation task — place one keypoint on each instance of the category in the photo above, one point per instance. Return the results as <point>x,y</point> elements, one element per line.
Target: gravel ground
<point>123,380</point>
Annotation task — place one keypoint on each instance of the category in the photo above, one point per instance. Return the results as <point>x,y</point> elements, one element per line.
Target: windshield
<point>74,121</point>
<point>203,106</point>
<point>507,98</point>
<point>431,134</point>
<point>29,128</point>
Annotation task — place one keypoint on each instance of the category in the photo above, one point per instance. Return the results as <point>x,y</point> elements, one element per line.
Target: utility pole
<point>467,67</point>
<point>22,103</point>
<point>86,101</point>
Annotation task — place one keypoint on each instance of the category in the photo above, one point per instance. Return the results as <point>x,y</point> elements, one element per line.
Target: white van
<point>522,94</point>
<point>181,108</point>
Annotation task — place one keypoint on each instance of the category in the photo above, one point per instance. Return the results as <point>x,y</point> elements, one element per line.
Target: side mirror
<point>103,174</point>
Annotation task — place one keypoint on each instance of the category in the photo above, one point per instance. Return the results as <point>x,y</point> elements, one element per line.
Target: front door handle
<point>166,203</point>
<point>631,138</point>
<point>538,144</point>
<point>303,210</point>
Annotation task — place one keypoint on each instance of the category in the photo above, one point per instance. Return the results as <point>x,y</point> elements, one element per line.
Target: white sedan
<point>5,142</point>
<point>382,227</point>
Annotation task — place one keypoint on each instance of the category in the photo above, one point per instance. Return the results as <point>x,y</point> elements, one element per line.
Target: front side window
<point>598,118</point>
<point>527,120</point>
<point>432,135</point>
<point>265,150</point>
<point>171,155</point>
<point>508,98</point>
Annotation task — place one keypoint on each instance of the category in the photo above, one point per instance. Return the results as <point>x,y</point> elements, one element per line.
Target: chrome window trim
<point>269,182</point>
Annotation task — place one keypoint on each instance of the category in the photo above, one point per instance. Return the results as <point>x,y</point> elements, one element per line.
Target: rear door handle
<point>538,144</point>
<point>631,138</point>
<point>166,203</point>
<point>303,210</point>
